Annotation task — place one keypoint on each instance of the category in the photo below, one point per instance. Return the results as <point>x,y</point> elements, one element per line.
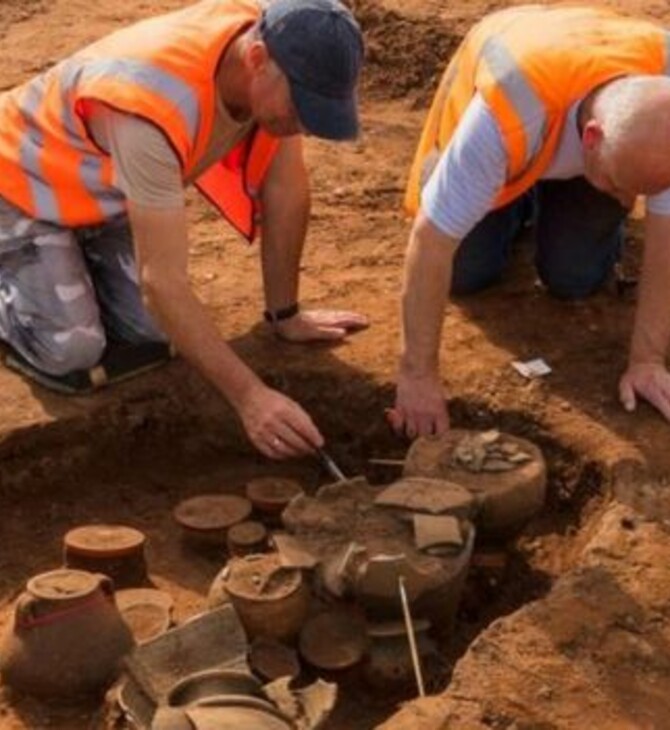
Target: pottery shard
<point>488,437</point>
<point>431,531</point>
<point>497,465</point>
<point>293,553</point>
<point>434,496</point>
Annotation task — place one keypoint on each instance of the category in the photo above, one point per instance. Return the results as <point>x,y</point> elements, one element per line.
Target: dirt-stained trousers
<point>64,292</point>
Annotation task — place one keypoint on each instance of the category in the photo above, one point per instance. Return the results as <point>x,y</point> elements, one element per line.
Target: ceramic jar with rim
<point>270,600</point>
<point>67,637</point>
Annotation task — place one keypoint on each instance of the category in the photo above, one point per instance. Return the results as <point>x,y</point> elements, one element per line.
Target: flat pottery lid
<point>147,611</point>
<point>261,578</point>
<point>104,540</point>
<point>272,492</point>
<point>63,585</point>
<point>420,494</point>
<point>212,511</point>
<point>271,660</point>
<point>334,640</point>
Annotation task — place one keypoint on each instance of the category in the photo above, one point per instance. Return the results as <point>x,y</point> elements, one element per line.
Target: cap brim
<point>325,116</point>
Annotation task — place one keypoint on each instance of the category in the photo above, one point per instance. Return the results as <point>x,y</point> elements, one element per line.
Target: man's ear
<point>592,135</point>
<point>256,56</point>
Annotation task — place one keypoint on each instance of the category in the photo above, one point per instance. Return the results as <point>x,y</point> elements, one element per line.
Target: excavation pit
<point>176,460</point>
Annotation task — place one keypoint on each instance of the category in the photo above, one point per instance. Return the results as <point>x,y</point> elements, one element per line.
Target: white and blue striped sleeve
<point>469,174</point>
<point>659,203</point>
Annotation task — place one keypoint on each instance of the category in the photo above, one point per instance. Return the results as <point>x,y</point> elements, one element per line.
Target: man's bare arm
<point>420,405</point>
<point>275,424</point>
<point>286,202</point>
<point>647,374</point>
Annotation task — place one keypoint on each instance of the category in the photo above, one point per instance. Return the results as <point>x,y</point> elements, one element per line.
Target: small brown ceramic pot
<point>270,600</point>
<point>147,611</point>
<point>247,538</point>
<point>270,495</point>
<point>270,660</point>
<point>334,641</point>
<point>114,550</point>
<point>389,666</point>
<point>67,637</point>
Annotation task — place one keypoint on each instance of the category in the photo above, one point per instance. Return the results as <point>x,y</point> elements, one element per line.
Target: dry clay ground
<point>593,649</point>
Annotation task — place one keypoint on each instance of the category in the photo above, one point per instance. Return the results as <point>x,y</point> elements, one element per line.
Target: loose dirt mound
<point>405,56</point>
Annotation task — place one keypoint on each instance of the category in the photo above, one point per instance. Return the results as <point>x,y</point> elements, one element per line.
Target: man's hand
<point>420,407</point>
<point>277,426</point>
<point>320,324</point>
<point>651,381</point>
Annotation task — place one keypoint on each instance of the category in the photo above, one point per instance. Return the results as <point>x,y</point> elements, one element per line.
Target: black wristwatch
<point>279,315</point>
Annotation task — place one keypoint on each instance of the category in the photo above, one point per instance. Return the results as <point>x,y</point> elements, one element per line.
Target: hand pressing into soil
<point>320,324</point>
<point>277,426</point>
<point>420,407</point>
<point>650,381</point>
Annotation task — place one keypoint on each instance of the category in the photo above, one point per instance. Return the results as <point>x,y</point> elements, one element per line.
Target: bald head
<point>627,135</point>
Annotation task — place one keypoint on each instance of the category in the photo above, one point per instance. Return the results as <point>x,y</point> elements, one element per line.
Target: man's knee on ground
<point>569,285</point>
<point>463,286</point>
<point>66,351</point>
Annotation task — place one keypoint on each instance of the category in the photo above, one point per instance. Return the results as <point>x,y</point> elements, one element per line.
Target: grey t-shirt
<point>471,171</point>
<point>146,167</point>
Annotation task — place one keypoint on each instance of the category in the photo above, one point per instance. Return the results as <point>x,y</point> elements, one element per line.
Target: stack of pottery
<point>67,638</point>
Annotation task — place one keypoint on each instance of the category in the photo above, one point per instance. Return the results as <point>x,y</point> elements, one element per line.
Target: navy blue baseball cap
<point>319,47</point>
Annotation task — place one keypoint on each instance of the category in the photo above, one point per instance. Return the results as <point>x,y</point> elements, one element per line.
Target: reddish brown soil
<point>594,650</point>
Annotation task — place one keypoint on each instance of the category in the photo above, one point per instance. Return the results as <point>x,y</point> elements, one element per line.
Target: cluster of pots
<point>68,636</point>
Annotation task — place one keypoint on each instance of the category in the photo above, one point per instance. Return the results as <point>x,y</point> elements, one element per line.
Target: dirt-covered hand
<point>420,407</point>
<point>650,381</point>
<point>277,426</point>
<point>320,324</point>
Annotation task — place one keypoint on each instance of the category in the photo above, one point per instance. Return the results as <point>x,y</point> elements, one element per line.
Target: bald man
<point>558,113</point>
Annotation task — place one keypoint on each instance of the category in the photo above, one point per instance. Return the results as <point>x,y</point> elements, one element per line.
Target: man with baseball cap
<point>318,47</point>
<point>95,157</point>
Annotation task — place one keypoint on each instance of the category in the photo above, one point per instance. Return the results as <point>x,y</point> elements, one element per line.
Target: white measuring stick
<point>409,626</point>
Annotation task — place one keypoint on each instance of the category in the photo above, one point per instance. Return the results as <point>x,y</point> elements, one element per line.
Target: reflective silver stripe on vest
<point>667,53</point>
<point>110,200</point>
<point>70,73</point>
<point>520,94</point>
<point>156,80</point>
<point>30,147</point>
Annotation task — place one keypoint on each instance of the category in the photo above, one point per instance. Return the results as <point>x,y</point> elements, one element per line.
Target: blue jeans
<point>578,236</point>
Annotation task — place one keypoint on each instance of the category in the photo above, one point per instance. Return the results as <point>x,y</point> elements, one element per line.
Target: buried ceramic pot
<point>270,600</point>
<point>389,666</point>
<point>113,550</point>
<point>67,637</point>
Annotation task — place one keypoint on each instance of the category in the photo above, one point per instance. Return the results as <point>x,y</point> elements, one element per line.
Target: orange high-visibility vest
<point>163,70</point>
<point>531,64</point>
